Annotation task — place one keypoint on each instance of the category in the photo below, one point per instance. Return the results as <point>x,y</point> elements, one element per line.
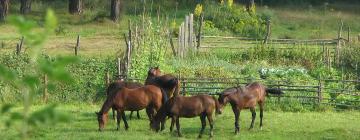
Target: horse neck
<point>107,105</point>
<point>161,114</point>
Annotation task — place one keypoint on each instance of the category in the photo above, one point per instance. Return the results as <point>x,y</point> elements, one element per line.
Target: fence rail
<point>320,93</point>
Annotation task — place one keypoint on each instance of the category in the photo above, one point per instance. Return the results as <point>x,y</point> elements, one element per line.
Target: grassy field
<point>101,37</point>
<point>277,125</point>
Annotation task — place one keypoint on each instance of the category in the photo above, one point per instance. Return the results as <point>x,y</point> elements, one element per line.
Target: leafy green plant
<point>28,84</point>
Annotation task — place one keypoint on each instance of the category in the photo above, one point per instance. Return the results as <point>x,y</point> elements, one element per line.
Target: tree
<point>4,8</point>
<point>75,6</point>
<point>115,10</point>
<point>25,6</point>
<point>249,5</point>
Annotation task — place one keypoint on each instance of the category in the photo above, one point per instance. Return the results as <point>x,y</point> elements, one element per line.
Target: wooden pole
<point>107,81</point>
<point>172,44</point>
<point>77,47</point>
<point>191,30</point>
<point>268,31</point>
<point>199,32</point>
<point>320,98</point>
<point>119,67</point>
<point>348,34</point>
<point>338,46</point>
<point>21,43</point>
<point>186,39</point>
<point>179,42</point>
<point>17,49</point>
<point>130,34</point>
<point>45,94</point>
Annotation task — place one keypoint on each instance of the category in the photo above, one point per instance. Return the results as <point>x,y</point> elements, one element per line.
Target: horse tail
<point>274,91</point>
<point>217,105</point>
<point>164,96</point>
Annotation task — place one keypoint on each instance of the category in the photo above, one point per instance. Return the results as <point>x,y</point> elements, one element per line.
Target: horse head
<point>154,71</point>
<point>102,118</point>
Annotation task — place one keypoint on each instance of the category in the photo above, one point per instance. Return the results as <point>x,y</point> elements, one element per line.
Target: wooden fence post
<point>319,92</point>
<point>182,39</point>
<point>268,31</point>
<point>107,81</point>
<point>338,46</point>
<point>77,47</point>
<point>119,68</point>
<point>348,34</point>
<point>172,44</point>
<point>21,43</point>
<point>179,41</point>
<point>45,94</point>
<point>186,37</point>
<point>279,96</point>
<point>191,30</point>
<point>17,49</point>
<point>199,32</point>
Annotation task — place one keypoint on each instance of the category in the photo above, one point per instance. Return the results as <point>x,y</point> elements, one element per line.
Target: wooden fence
<point>345,95</point>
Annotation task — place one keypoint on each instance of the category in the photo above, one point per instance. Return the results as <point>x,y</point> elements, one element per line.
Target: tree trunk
<point>115,10</point>
<point>4,7</point>
<point>75,6</point>
<point>249,5</point>
<point>25,7</point>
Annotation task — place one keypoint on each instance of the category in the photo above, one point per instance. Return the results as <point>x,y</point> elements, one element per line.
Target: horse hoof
<point>261,128</point>
<point>199,136</point>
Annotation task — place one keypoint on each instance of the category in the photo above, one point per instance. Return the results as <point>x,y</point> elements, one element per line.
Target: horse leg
<point>149,112</point>
<point>113,111</point>
<point>253,115</point>
<point>237,114</point>
<point>178,126</point>
<point>261,114</point>
<point>125,121</point>
<point>203,124</point>
<point>211,122</point>
<point>138,114</point>
<point>118,119</point>
<point>130,117</point>
<point>172,123</point>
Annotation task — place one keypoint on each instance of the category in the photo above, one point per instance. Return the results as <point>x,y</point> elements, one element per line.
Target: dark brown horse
<point>169,83</point>
<point>149,97</point>
<point>116,86</point>
<point>188,107</point>
<point>246,98</point>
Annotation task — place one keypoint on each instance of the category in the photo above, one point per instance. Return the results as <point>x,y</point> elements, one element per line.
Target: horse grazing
<point>168,82</point>
<point>189,107</point>
<point>246,98</point>
<point>117,84</point>
<point>149,97</point>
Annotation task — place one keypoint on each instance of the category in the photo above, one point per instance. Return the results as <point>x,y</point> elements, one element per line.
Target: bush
<point>235,19</point>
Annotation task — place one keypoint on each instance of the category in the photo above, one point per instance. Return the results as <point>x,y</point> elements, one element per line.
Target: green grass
<point>277,125</point>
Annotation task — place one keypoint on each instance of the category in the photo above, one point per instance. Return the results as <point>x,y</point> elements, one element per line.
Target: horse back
<point>192,106</point>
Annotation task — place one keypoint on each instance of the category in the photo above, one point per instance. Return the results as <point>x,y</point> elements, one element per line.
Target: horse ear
<point>226,94</point>
<point>157,67</point>
<point>97,113</point>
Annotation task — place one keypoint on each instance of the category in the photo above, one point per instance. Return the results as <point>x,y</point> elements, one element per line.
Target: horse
<point>246,98</point>
<point>188,107</point>
<point>121,83</point>
<point>168,82</point>
<point>149,97</point>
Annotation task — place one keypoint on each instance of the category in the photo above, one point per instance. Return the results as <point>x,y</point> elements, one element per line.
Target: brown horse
<point>169,83</point>
<point>246,98</point>
<point>149,97</point>
<point>188,107</point>
<point>116,86</point>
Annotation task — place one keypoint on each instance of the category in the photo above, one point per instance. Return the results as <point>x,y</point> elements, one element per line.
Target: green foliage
<point>28,82</point>
<point>150,51</point>
<point>235,19</point>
